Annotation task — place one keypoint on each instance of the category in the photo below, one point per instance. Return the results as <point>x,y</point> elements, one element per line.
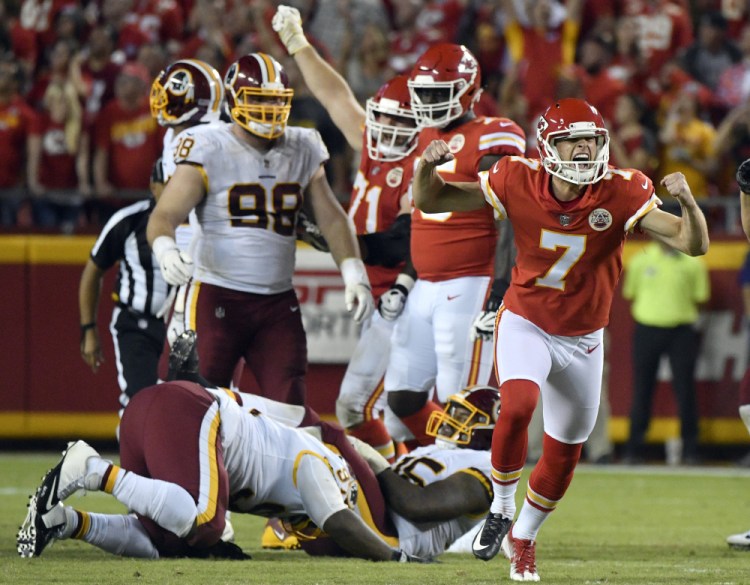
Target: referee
<point>141,296</point>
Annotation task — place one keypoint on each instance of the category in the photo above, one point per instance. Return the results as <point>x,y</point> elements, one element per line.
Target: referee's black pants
<point>139,341</point>
<point>680,345</point>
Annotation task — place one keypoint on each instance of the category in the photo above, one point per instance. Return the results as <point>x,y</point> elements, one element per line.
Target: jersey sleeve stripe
<point>201,170</point>
<point>502,139</point>
<point>483,479</point>
<point>490,197</point>
<point>209,468</point>
<point>650,205</point>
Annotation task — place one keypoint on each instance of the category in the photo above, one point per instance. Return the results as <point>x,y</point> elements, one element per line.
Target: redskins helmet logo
<point>180,83</point>
<point>394,177</point>
<point>456,143</point>
<point>600,219</point>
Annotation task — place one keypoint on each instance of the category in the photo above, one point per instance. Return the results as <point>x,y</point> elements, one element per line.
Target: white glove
<point>483,326</point>
<point>176,266</point>
<point>287,22</point>
<point>392,301</point>
<point>357,289</point>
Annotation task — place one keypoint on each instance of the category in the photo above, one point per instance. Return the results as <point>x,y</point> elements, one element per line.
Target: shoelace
<point>524,557</point>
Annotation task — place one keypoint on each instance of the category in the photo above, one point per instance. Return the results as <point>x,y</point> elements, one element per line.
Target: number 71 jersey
<point>569,254</point>
<point>249,213</point>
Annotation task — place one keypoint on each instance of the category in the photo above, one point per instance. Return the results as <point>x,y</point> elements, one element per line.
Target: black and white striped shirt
<point>140,285</point>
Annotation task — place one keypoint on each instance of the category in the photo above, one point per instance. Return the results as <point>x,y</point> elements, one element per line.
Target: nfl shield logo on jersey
<point>600,219</point>
<point>564,220</point>
<point>220,312</point>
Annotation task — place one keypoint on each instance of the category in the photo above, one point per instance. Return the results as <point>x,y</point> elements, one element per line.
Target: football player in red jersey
<point>571,213</point>
<point>381,211</point>
<point>443,339</point>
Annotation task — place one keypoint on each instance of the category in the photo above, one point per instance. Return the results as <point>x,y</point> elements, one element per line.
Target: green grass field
<point>617,525</point>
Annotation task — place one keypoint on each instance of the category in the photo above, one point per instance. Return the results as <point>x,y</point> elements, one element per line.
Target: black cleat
<point>487,542</point>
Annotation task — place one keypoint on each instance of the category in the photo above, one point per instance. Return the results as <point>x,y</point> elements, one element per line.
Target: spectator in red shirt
<point>127,141</point>
<point>57,70</point>
<point>632,144</point>
<point>16,119</point>
<point>57,166</point>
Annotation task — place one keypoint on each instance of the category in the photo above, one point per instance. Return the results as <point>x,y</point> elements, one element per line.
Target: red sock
<point>554,472</point>
<point>510,438</point>
<point>374,433</point>
<point>745,388</point>
<point>417,423</point>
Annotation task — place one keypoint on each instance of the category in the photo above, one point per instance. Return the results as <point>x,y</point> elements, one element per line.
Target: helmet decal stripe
<point>213,75</point>
<point>270,68</point>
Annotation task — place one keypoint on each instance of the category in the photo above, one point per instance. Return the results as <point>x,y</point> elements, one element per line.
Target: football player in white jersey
<point>186,93</point>
<point>247,181</point>
<point>380,208</point>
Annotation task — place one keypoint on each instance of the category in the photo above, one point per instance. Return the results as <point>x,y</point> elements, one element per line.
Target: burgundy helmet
<point>258,95</point>
<point>468,418</point>
<point>188,91</point>
<point>391,127</point>
<point>444,84</point>
<point>569,119</point>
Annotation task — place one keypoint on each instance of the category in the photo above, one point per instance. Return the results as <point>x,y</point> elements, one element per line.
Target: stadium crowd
<point>77,140</point>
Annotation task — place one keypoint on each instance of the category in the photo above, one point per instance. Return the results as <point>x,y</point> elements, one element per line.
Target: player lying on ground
<point>176,517</point>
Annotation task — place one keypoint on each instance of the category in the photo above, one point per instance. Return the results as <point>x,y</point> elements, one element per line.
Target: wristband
<point>85,327</point>
<point>405,280</point>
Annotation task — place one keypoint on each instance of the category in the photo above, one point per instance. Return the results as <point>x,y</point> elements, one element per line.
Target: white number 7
<point>576,246</point>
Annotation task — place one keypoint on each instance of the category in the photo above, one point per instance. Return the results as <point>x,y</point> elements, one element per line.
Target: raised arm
<point>325,83</point>
<point>689,233</point>
<point>432,194</point>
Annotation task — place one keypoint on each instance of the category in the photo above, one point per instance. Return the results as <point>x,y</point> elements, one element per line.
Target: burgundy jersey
<point>462,243</point>
<point>375,204</point>
<point>569,255</point>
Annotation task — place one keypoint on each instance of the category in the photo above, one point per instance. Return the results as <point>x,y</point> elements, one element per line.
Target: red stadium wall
<point>46,390</point>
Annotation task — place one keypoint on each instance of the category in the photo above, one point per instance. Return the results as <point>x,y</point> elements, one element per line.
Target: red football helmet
<point>188,91</point>
<point>258,94</point>
<point>444,84</point>
<point>467,420</point>
<point>569,119</point>
<point>391,126</point>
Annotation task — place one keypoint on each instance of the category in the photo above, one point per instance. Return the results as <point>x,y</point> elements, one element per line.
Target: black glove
<point>743,176</point>
<point>401,556</point>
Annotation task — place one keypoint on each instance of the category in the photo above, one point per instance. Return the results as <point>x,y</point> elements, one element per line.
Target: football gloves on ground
<point>743,176</point>
<point>287,23</point>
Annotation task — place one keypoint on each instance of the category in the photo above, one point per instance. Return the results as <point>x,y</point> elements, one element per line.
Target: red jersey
<point>375,204</point>
<point>569,255</point>
<point>16,119</point>
<point>133,140</point>
<point>57,167</point>
<point>462,243</point>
